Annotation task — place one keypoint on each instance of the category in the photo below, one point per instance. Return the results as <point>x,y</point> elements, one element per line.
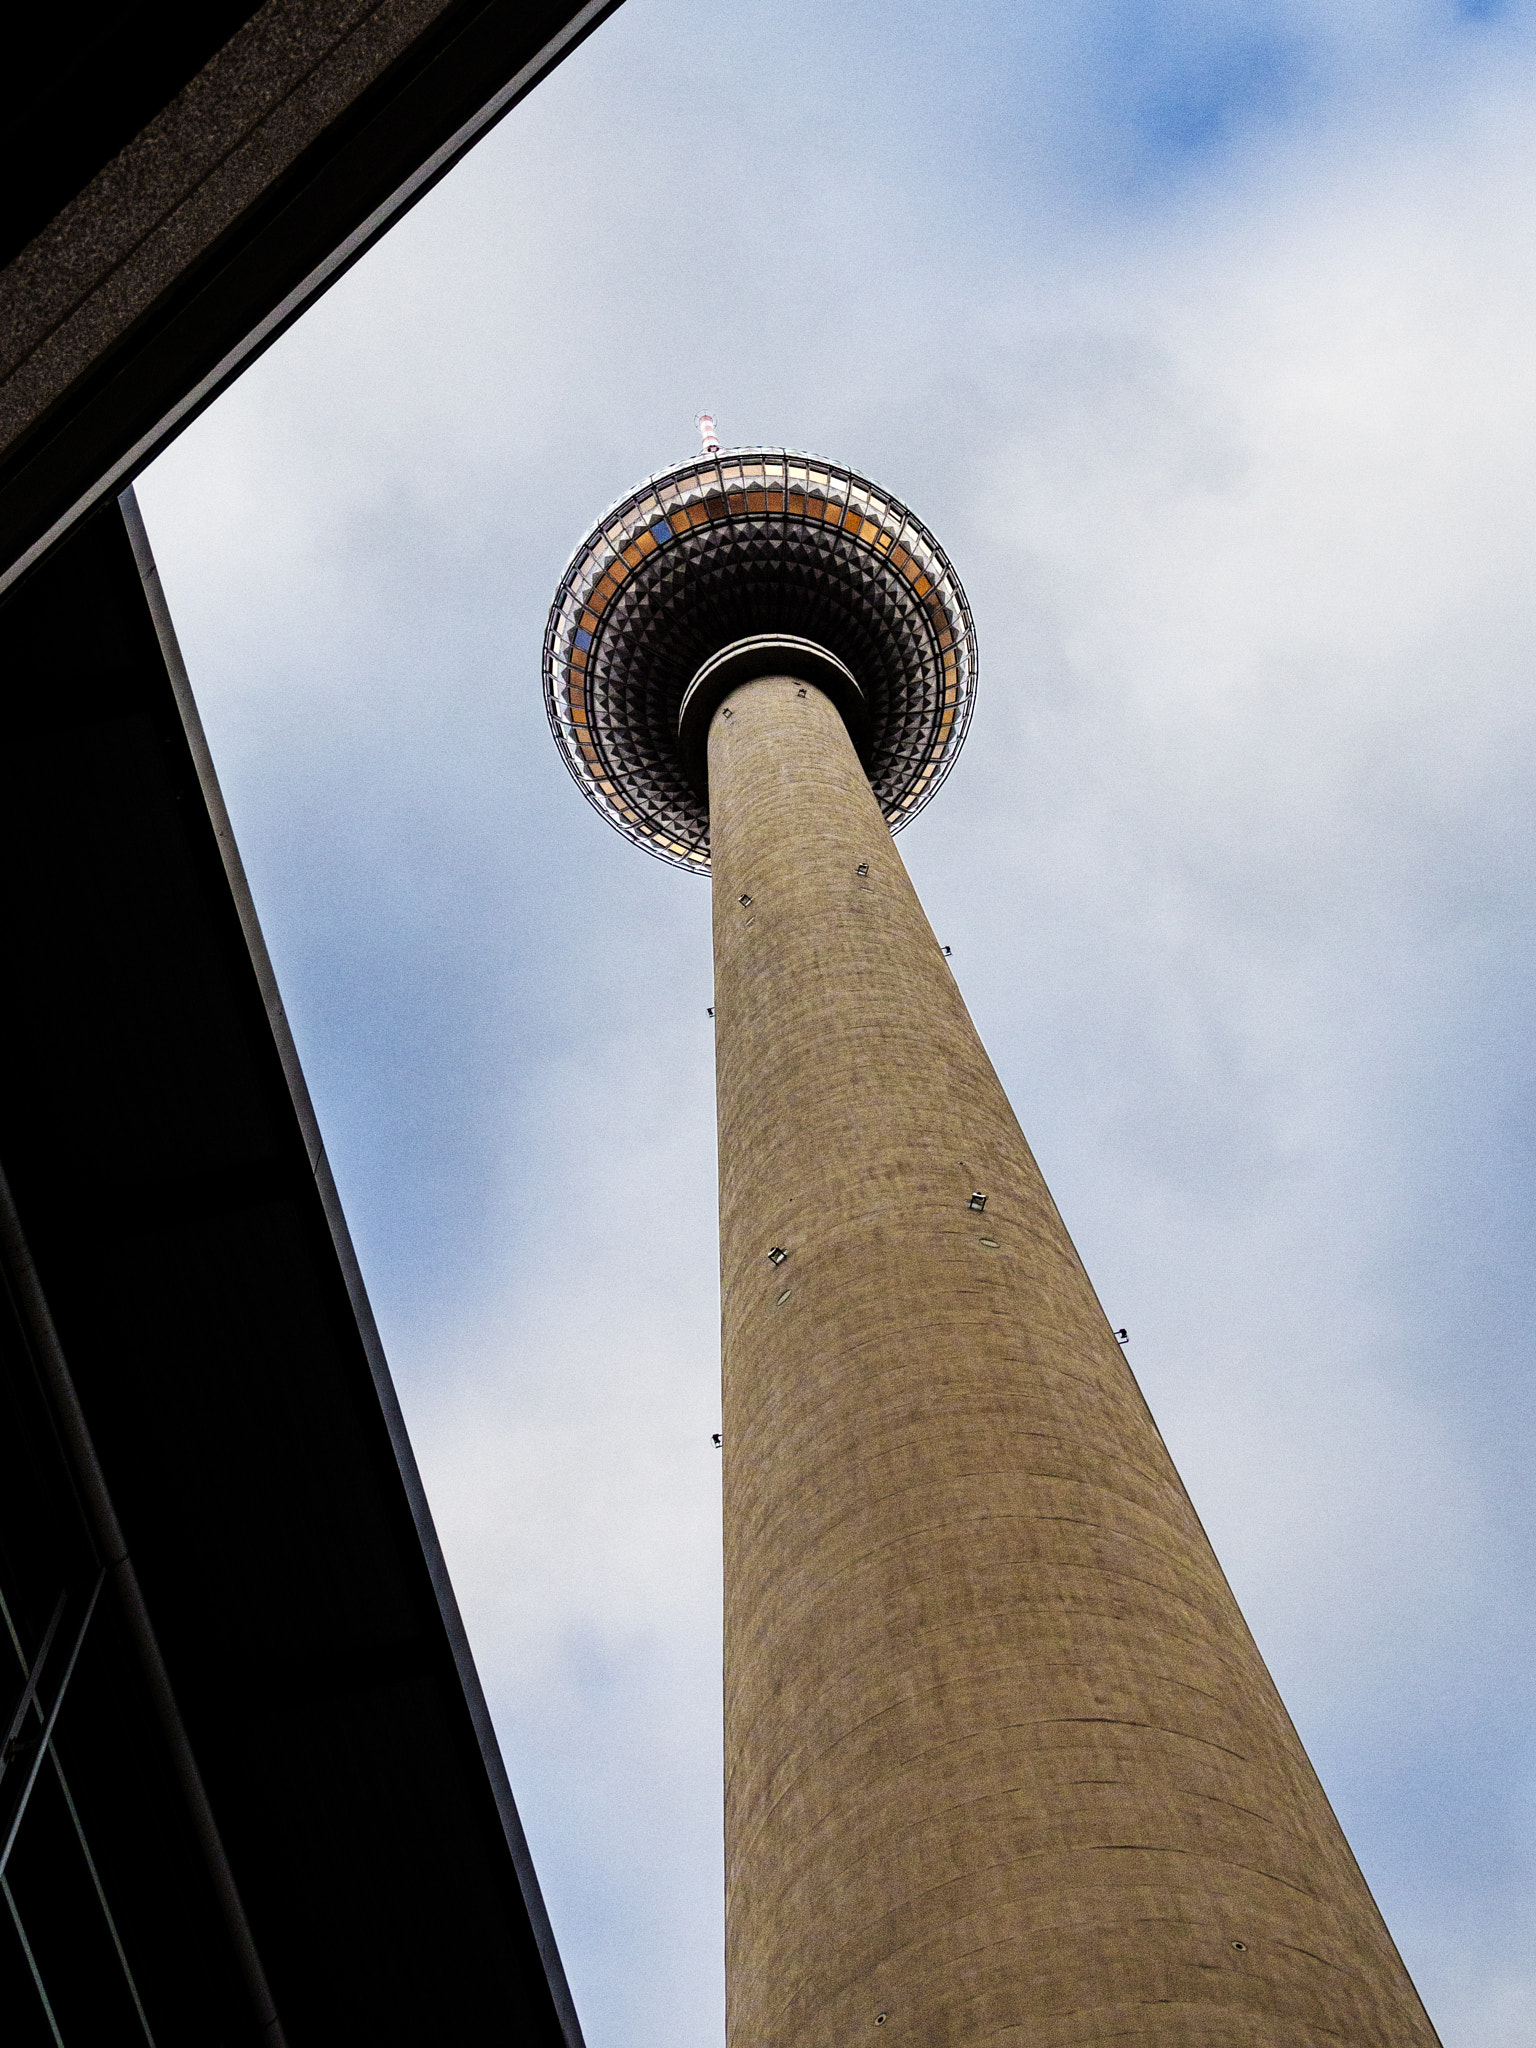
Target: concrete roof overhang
<point>179,183</point>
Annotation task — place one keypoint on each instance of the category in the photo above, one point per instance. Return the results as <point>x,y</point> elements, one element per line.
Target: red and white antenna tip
<point>706,426</point>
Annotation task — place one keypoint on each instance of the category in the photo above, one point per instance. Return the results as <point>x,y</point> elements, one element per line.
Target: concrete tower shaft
<point>1003,1763</point>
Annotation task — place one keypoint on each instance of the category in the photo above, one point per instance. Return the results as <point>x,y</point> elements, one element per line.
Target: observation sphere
<point>743,543</point>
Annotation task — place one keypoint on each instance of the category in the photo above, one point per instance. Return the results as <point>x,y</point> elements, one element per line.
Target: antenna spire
<point>706,426</point>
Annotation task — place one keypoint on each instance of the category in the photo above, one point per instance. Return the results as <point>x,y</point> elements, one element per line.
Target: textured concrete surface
<point>1002,1761</point>
<point>159,205</point>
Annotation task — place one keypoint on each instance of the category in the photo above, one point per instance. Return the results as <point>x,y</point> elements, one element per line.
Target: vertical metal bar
<point>101,1896</point>
<point>36,1317</point>
<point>46,1738</point>
<point>26,1949</point>
<point>10,1629</point>
<point>80,1834</point>
<point>29,1688</point>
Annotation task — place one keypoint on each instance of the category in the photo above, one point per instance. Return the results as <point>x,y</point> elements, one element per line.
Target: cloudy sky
<point>1203,333</point>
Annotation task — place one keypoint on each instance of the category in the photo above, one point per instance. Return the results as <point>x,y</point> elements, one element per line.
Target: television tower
<point>1003,1764</point>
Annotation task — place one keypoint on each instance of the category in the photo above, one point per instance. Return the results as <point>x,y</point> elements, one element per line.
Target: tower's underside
<point>734,545</point>
<point>1003,1762</point>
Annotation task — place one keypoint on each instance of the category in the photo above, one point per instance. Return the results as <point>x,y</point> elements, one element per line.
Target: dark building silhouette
<point>249,1791</point>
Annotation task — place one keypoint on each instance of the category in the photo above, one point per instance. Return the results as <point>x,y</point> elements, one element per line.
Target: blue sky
<point>1203,337</point>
